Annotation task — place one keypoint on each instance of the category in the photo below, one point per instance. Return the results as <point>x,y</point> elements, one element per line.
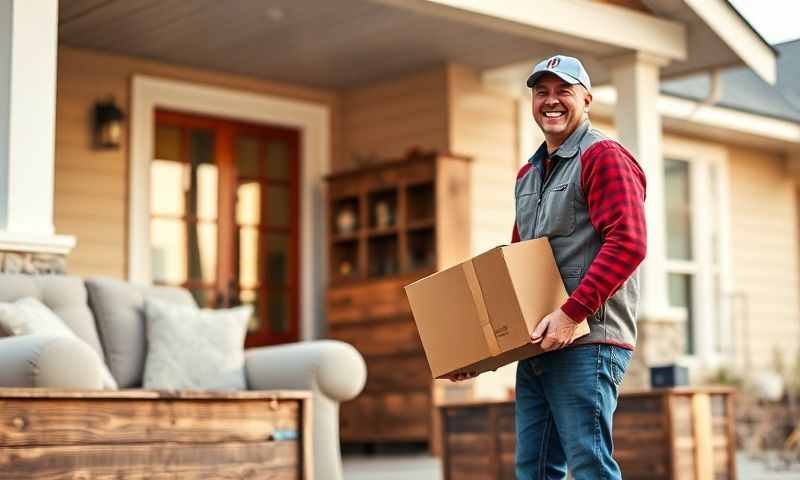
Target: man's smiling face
<point>558,107</point>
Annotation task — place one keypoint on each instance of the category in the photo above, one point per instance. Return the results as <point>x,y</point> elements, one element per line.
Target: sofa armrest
<point>48,361</point>
<point>336,368</point>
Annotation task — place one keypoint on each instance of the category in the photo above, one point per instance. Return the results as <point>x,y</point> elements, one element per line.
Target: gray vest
<point>556,208</point>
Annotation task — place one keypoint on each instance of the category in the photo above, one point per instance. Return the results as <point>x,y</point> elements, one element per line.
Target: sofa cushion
<point>118,307</point>
<point>189,348</point>
<point>29,316</point>
<point>64,295</point>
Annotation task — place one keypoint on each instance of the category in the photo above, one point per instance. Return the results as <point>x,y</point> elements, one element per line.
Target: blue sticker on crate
<point>279,435</point>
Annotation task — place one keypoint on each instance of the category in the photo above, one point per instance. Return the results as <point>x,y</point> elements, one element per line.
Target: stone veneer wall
<point>659,342</point>
<point>32,263</point>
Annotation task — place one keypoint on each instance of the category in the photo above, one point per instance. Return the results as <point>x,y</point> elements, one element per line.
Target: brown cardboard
<point>479,315</point>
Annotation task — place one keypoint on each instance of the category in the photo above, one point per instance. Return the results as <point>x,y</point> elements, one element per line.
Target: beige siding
<point>765,255</point>
<point>483,126</point>
<point>388,118</point>
<point>91,186</point>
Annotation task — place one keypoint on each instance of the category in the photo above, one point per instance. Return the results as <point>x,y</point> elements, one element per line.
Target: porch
<point>359,82</point>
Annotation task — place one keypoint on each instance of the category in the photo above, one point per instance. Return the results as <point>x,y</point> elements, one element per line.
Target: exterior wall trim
<point>313,121</point>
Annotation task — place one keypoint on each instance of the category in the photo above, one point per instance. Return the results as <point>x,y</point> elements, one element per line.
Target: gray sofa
<point>107,315</point>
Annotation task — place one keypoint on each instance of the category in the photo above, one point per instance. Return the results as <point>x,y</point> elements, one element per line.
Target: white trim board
<point>313,121</point>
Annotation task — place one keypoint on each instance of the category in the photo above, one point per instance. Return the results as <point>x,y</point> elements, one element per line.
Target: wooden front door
<point>224,218</point>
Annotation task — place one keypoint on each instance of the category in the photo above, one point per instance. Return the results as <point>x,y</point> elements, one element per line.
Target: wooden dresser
<point>669,434</point>
<point>389,225</point>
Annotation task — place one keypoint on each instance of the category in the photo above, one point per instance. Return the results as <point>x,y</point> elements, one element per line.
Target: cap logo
<point>553,63</point>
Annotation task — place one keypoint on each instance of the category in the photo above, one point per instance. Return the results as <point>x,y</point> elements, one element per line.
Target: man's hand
<point>457,377</point>
<point>554,331</point>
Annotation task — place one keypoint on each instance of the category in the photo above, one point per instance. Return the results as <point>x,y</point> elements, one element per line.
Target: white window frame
<point>701,156</point>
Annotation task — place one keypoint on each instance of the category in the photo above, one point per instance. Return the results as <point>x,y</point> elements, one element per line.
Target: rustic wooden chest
<point>670,434</point>
<point>138,434</point>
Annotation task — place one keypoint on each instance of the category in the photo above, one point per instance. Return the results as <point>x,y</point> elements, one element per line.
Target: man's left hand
<point>554,331</point>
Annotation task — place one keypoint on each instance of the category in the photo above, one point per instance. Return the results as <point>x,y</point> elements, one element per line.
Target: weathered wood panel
<point>262,460</point>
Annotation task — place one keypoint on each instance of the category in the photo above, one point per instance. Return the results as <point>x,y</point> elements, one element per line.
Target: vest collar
<point>568,149</point>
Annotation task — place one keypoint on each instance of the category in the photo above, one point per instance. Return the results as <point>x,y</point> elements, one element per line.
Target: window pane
<point>679,233</point>
<point>248,157</point>
<point>168,251</point>
<point>277,260</point>
<point>168,143</point>
<point>277,160</point>
<point>248,204</point>
<point>713,206</point>
<point>207,192</point>
<point>166,188</point>
<point>250,297</point>
<point>201,146</point>
<point>277,206</point>
<point>248,257</point>
<point>278,312</point>
<point>680,295</point>
<point>202,249</point>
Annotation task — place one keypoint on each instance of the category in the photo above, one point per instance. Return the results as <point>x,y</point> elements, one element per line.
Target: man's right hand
<point>458,377</point>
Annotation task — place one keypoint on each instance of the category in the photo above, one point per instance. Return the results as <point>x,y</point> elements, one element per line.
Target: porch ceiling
<point>346,43</point>
<point>333,44</point>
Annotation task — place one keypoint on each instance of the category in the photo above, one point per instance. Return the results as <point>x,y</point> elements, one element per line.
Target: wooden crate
<point>138,434</point>
<point>670,434</point>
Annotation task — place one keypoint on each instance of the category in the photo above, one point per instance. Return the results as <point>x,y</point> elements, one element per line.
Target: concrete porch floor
<point>426,467</point>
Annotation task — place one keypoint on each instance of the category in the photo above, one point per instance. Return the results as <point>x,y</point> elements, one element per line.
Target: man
<point>586,194</point>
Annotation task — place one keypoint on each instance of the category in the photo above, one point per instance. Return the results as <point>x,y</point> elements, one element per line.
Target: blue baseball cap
<point>568,69</point>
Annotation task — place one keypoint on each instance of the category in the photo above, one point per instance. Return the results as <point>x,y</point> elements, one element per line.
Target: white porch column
<point>28,47</point>
<point>638,123</point>
<point>636,78</point>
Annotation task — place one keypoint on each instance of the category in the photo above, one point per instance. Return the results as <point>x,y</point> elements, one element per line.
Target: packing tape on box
<point>480,306</point>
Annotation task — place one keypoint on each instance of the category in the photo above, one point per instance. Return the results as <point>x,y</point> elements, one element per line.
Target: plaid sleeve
<point>614,187</point>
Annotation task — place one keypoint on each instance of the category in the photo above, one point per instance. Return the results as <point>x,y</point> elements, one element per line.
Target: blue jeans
<point>564,408</point>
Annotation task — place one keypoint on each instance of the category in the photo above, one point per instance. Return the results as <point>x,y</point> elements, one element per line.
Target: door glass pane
<point>168,143</point>
<point>679,233</point>
<point>168,251</point>
<point>277,160</point>
<point>248,204</point>
<point>202,250</point>
<point>248,157</point>
<point>277,259</point>
<point>278,312</point>
<point>250,297</point>
<point>166,188</point>
<point>680,295</point>
<point>277,206</point>
<point>201,146</point>
<point>248,257</point>
<point>207,192</point>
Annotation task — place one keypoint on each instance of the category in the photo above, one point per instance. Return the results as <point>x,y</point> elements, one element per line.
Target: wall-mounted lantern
<point>107,124</point>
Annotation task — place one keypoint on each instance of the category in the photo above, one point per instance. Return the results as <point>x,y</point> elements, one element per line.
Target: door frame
<point>311,119</point>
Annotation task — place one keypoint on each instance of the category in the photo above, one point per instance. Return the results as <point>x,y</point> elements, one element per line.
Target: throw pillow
<point>28,316</point>
<point>191,348</point>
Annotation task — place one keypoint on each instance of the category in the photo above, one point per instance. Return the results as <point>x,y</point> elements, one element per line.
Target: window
<point>696,250</point>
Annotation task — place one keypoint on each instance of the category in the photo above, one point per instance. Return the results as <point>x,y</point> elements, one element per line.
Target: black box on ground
<point>667,376</point>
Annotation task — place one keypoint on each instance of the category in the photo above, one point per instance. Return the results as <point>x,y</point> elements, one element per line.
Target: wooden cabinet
<point>670,434</point>
<point>389,225</point>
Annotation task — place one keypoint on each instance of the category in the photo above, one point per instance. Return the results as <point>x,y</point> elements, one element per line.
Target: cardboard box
<point>479,314</point>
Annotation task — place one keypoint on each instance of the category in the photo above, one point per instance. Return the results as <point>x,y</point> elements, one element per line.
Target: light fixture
<point>107,124</point>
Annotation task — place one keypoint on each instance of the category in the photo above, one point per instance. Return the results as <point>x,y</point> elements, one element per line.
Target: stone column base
<point>659,342</point>
<point>32,263</point>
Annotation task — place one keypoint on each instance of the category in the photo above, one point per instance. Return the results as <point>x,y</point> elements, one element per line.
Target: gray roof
<point>743,90</point>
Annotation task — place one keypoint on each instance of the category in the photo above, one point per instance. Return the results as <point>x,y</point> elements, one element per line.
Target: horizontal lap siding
<point>764,240</point>
<point>91,186</point>
<point>387,118</point>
